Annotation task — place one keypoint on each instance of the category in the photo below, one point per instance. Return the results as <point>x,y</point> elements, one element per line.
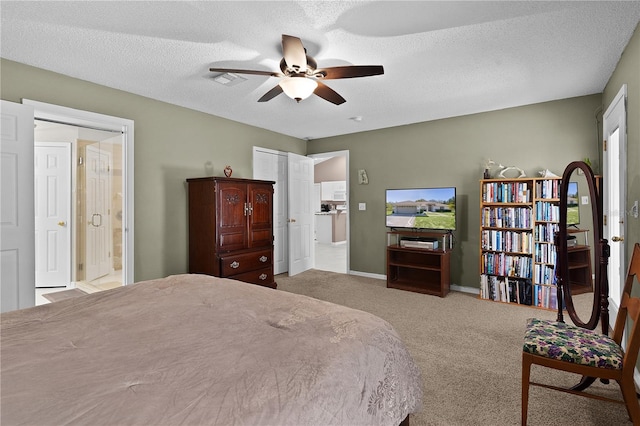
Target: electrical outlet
<point>634,209</point>
<point>362,206</point>
<point>585,200</point>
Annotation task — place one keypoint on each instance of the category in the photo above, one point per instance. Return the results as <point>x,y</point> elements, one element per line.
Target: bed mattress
<point>201,350</point>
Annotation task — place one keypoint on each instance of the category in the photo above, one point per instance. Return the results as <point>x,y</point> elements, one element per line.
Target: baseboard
<point>453,287</point>
<point>464,289</point>
<point>368,275</point>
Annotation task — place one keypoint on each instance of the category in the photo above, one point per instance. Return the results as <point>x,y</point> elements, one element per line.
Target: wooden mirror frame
<point>600,307</point>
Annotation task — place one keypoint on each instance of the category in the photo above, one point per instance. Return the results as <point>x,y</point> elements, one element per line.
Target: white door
<point>17,241</point>
<point>301,214</point>
<point>272,165</point>
<point>52,214</point>
<point>97,213</point>
<point>614,206</point>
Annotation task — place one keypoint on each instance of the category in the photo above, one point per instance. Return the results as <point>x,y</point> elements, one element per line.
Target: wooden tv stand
<point>579,264</point>
<point>419,269</point>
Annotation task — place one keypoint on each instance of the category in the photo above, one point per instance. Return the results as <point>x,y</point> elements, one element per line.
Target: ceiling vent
<point>229,79</point>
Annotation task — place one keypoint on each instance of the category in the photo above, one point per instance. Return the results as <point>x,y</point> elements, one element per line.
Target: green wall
<point>452,152</point>
<point>171,144</point>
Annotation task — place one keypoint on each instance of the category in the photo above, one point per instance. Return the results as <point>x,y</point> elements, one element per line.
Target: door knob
<point>291,220</point>
<point>62,223</point>
<point>617,239</point>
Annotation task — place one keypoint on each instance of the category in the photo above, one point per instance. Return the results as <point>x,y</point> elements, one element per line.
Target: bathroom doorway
<point>85,235</point>
<point>100,219</point>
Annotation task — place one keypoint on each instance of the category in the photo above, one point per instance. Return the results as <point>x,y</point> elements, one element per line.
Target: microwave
<point>340,195</point>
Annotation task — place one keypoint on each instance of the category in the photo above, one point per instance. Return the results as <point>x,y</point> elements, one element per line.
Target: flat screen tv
<point>421,208</point>
<point>573,204</point>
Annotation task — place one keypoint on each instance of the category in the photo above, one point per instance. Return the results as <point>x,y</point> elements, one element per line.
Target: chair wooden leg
<point>526,374</point>
<point>631,400</point>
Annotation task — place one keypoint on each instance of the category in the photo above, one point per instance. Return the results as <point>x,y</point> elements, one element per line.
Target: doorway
<point>100,210</point>
<point>88,207</point>
<point>331,201</point>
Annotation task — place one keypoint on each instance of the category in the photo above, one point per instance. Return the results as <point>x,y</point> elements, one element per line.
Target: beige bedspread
<point>200,350</point>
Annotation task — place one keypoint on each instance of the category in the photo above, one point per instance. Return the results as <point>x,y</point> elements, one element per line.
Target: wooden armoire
<point>231,229</point>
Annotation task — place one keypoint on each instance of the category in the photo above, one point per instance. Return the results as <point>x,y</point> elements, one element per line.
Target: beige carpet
<point>469,352</point>
<point>64,294</point>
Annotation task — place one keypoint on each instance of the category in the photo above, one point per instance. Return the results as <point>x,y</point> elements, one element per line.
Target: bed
<point>201,350</point>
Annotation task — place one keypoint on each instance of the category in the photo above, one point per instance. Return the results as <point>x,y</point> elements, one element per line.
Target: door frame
<point>77,117</point>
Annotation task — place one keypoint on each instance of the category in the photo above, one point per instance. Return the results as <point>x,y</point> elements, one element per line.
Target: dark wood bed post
<point>405,422</point>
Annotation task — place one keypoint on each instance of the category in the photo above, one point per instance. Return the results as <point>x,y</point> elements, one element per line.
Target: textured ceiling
<point>441,59</point>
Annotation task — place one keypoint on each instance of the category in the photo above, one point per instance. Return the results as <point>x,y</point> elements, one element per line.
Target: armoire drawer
<point>234,264</point>
<point>262,276</point>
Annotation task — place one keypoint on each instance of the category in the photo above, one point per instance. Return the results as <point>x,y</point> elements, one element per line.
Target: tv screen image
<point>421,208</point>
<point>573,204</point>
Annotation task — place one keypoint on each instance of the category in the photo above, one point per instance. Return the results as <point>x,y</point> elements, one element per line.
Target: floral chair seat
<point>566,342</point>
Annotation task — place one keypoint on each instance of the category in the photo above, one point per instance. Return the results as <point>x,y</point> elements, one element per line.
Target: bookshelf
<point>518,223</point>
<point>416,269</point>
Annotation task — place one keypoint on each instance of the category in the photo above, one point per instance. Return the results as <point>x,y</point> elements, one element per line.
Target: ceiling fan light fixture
<point>298,87</point>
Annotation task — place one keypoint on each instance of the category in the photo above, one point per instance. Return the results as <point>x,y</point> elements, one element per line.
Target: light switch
<point>362,206</point>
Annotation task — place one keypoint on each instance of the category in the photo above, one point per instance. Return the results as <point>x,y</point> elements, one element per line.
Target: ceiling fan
<point>300,76</point>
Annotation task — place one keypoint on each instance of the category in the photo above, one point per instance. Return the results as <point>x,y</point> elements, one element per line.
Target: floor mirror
<point>583,253</point>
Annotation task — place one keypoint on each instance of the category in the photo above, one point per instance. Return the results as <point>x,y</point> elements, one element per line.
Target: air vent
<point>229,79</point>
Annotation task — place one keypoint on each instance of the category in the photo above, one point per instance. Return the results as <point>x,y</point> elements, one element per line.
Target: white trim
<point>368,275</point>
<point>464,289</point>
<point>269,151</point>
<point>91,119</point>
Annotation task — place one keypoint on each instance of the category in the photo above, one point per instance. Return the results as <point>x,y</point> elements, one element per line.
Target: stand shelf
<point>580,276</point>
<point>421,270</point>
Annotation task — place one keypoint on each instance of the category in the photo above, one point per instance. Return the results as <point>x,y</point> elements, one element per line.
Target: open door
<point>53,214</point>
<point>301,214</point>
<point>614,161</point>
<point>17,227</point>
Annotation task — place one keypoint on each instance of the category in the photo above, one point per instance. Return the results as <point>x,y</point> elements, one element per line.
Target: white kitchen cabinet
<point>334,190</point>
<point>324,228</point>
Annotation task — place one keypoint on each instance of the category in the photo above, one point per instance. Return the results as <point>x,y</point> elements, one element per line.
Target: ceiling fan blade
<point>294,53</point>
<point>271,94</point>
<point>236,71</point>
<point>327,93</point>
<point>350,71</point>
